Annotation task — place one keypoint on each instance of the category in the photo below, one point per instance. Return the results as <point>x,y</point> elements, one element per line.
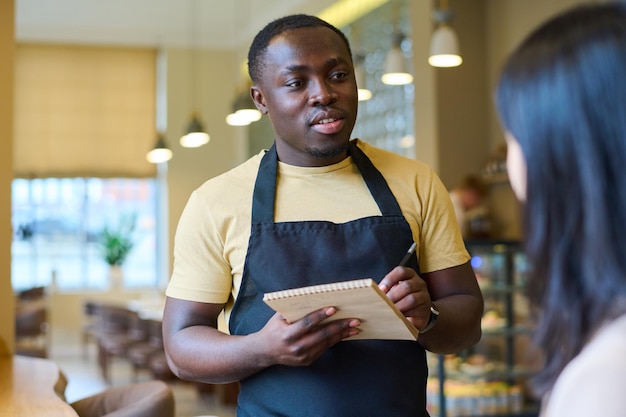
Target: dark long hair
<point>562,95</point>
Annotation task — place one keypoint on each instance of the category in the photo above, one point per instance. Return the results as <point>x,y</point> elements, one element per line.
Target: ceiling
<point>221,24</point>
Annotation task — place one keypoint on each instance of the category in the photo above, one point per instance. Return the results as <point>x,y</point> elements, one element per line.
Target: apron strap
<point>265,186</point>
<point>376,183</point>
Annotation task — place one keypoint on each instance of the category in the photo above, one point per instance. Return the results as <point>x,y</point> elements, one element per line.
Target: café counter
<point>32,387</point>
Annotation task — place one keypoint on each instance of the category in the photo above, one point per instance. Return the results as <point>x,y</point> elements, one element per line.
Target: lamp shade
<point>237,119</point>
<point>160,152</point>
<point>244,111</point>
<point>196,136</point>
<point>395,71</point>
<point>444,48</point>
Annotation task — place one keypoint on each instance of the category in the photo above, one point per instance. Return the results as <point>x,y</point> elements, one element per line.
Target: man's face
<point>309,92</point>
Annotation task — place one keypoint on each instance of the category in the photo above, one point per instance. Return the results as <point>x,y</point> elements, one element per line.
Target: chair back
<point>155,333</point>
<point>31,319</point>
<point>31,327</point>
<point>113,319</point>
<point>34,293</point>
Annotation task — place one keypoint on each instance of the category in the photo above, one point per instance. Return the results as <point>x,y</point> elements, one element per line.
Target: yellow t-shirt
<point>213,231</point>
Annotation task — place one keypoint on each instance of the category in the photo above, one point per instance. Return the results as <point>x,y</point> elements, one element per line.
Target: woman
<point>562,101</point>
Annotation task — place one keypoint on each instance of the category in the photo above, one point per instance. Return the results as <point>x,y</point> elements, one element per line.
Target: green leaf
<point>117,243</point>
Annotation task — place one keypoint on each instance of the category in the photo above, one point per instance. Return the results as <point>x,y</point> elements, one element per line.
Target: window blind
<point>84,111</point>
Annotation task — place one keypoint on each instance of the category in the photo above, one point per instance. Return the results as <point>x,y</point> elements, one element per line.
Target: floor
<point>84,379</point>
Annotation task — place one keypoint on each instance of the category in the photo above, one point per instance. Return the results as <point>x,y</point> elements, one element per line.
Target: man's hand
<point>302,342</point>
<point>458,298</point>
<point>409,293</point>
<point>198,351</point>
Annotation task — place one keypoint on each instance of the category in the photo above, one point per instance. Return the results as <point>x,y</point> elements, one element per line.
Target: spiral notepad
<point>361,299</point>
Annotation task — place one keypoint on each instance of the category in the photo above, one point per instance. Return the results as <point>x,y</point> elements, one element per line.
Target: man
<point>467,199</point>
<point>315,209</point>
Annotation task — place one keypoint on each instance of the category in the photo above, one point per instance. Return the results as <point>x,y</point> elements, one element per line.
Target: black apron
<point>352,378</point>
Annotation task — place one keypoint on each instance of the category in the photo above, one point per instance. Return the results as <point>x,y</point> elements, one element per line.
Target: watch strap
<point>432,320</point>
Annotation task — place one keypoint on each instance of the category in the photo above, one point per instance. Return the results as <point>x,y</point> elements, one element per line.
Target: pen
<point>408,254</point>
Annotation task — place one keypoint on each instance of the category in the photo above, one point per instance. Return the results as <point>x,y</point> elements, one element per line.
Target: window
<point>57,224</point>
<point>82,128</point>
<point>386,120</point>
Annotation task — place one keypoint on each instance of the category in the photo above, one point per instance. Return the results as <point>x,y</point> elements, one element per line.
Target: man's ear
<point>259,99</point>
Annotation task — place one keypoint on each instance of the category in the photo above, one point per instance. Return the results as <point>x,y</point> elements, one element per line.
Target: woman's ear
<point>259,99</point>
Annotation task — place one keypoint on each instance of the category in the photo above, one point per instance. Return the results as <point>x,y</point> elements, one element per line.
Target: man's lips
<point>328,122</point>
<point>328,126</point>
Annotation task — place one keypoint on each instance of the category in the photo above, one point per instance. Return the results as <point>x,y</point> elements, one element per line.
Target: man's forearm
<point>204,354</point>
<point>458,324</point>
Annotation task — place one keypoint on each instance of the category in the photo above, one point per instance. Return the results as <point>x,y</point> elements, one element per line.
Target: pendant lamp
<point>195,134</point>
<point>160,153</point>
<point>395,67</point>
<point>444,46</point>
<point>244,110</point>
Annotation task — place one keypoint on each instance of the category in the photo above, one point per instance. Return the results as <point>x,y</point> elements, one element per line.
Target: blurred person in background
<point>468,199</point>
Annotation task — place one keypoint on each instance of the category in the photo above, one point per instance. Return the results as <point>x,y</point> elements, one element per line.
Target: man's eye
<point>338,75</point>
<point>295,83</point>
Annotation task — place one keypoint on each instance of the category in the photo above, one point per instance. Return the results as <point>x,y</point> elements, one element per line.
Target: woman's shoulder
<point>592,383</point>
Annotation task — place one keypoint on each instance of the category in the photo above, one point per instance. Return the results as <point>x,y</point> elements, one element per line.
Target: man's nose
<point>321,93</point>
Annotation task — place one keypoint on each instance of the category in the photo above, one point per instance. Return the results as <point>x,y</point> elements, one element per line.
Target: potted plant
<point>116,245</point>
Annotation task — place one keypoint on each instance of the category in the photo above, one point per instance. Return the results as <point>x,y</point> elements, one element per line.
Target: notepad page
<point>361,299</point>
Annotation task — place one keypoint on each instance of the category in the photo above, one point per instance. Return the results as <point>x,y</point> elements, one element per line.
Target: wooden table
<point>32,387</point>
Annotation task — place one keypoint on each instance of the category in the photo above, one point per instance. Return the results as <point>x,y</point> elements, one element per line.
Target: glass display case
<point>489,379</point>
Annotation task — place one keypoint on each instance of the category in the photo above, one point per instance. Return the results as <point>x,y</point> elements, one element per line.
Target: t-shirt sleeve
<point>441,245</point>
<point>200,271</point>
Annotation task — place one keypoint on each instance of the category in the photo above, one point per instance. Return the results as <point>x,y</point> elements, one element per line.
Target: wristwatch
<point>432,320</point>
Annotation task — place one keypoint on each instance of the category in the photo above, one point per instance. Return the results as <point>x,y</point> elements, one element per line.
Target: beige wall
<point>7,53</point>
<point>461,104</point>
<point>425,111</point>
<point>467,130</point>
<point>215,88</point>
<point>466,122</point>
<point>508,22</point>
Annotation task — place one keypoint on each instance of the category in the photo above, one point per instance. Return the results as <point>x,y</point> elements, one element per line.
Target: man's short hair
<point>271,30</point>
<point>474,183</point>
